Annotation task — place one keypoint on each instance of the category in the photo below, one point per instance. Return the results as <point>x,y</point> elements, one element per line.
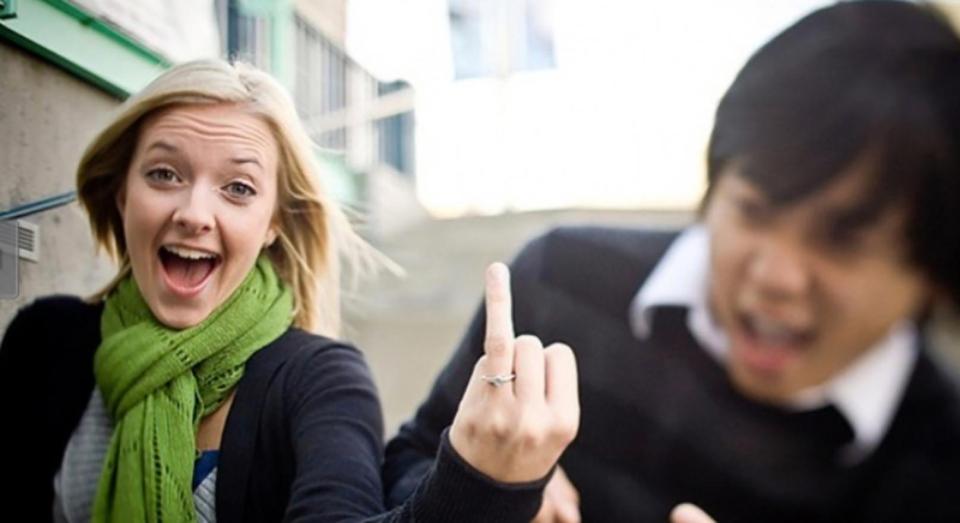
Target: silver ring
<point>498,379</point>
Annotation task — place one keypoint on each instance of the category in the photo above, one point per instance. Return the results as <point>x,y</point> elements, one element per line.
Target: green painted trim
<point>257,7</point>
<point>8,9</point>
<point>279,17</point>
<point>109,31</point>
<point>71,38</point>
<point>282,43</point>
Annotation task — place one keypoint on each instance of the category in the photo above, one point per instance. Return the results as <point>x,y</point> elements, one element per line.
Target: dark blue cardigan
<point>302,441</point>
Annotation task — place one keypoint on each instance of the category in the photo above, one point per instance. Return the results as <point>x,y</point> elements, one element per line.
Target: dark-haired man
<point>768,363</point>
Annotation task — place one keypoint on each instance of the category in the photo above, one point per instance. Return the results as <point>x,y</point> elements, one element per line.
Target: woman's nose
<point>194,213</point>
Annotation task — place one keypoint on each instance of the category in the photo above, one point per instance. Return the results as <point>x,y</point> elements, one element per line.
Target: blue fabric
<point>206,462</point>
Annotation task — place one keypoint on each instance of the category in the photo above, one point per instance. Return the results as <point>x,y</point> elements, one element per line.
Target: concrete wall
<point>407,327</point>
<point>47,117</point>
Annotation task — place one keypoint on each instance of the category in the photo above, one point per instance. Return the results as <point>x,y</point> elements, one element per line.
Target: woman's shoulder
<point>48,349</point>
<point>298,356</point>
<point>299,345</point>
<point>314,406</point>
<point>56,321</point>
<point>299,339</point>
<point>62,309</point>
<point>300,377</point>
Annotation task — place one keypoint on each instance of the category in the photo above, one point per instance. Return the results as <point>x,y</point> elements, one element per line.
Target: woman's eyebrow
<point>160,144</point>
<point>240,160</point>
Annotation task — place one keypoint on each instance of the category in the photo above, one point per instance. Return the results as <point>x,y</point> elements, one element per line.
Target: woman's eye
<point>162,174</point>
<point>240,189</point>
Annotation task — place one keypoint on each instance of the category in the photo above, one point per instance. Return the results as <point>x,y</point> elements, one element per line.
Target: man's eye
<point>842,239</point>
<point>162,174</point>
<point>753,211</point>
<point>240,189</point>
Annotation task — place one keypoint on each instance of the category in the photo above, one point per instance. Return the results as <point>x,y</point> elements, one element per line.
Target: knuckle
<point>533,439</point>
<point>560,357</point>
<point>495,344</point>
<point>528,341</point>
<point>465,428</point>
<point>566,428</point>
<point>498,425</point>
<point>531,431</point>
<point>560,350</point>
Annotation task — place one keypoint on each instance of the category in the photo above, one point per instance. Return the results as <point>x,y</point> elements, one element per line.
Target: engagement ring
<point>499,379</point>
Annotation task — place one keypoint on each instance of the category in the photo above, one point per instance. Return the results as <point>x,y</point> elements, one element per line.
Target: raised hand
<point>521,408</point>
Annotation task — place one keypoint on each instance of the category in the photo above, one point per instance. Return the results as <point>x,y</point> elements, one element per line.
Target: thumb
<point>689,513</point>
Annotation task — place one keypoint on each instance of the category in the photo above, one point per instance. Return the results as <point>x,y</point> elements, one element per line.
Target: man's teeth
<point>773,332</point>
<point>189,254</point>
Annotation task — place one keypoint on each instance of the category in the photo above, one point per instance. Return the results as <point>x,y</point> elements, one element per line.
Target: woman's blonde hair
<point>313,232</point>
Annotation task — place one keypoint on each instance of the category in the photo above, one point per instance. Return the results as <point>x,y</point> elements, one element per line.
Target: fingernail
<point>498,270</point>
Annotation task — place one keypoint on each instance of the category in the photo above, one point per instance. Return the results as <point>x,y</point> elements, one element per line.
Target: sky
<point>620,122</point>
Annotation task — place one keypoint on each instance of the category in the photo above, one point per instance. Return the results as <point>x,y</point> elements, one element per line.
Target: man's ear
<point>121,198</point>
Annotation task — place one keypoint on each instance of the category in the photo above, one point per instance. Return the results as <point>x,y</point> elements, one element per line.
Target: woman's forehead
<point>215,122</point>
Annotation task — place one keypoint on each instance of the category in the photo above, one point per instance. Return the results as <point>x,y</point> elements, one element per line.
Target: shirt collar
<point>867,392</point>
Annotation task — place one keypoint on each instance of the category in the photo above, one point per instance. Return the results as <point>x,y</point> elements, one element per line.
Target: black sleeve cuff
<point>456,491</point>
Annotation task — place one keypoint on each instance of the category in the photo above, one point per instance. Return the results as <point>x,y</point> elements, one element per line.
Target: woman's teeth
<point>189,254</point>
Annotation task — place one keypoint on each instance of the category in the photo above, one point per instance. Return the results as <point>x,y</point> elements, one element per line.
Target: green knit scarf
<point>158,383</point>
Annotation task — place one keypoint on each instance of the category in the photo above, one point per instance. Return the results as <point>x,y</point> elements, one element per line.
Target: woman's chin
<point>180,316</point>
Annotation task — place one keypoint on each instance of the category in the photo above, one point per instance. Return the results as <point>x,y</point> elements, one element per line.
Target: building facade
<point>67,65</point>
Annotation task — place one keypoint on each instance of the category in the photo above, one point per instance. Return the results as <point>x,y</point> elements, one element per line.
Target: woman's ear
<point>271,236</point>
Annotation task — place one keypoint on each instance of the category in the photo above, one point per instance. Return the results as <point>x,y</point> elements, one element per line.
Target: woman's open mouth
<point>186,270</point>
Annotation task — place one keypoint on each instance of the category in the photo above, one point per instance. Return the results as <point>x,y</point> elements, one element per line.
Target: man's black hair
<point>868,84</point>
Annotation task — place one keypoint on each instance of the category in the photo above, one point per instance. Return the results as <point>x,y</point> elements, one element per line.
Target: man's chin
<point>760,387</point>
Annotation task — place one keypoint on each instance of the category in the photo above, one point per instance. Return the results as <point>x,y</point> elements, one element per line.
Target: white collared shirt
<point>867,392</point>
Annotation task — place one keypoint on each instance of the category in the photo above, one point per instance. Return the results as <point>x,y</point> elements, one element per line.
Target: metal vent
<point>9,262</point>
<point>28,240</point>
<point>8,236</point>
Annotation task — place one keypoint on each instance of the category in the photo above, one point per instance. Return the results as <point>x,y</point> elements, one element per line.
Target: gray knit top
<point>75,484</point>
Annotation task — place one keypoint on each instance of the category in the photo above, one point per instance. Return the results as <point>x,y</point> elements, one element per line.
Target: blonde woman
<point>195,385</point>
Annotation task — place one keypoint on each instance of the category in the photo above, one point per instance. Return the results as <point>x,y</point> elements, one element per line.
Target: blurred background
<point>454,129</point>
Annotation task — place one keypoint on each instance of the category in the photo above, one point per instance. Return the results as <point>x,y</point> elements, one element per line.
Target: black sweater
<point>662,425</point>
<point>302,441</point>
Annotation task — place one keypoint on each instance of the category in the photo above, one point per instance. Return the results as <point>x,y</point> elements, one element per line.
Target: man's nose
<point>779,270</point>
